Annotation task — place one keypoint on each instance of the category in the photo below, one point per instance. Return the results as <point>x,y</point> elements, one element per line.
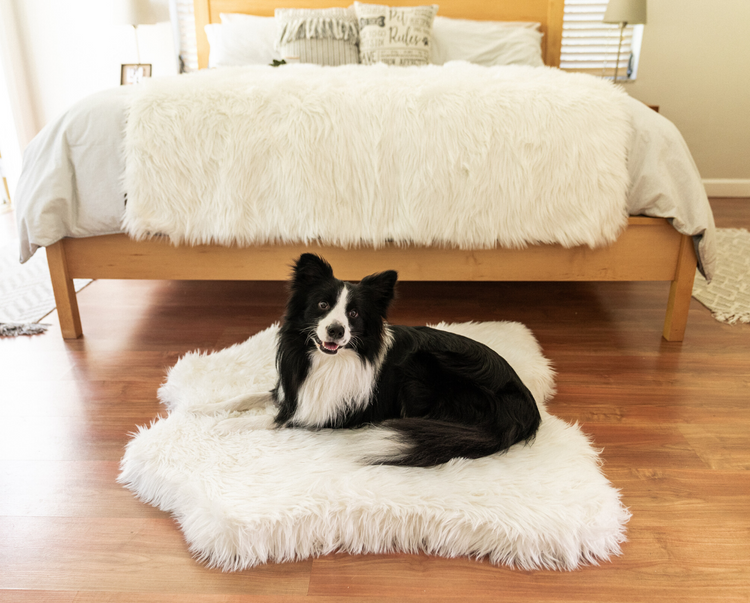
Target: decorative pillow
<point>395,35</point>
<point>486,42</point>
<point>325,36</point>
<point>242,40</point>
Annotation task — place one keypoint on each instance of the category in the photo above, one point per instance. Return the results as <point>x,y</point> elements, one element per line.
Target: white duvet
<point>73,178</point>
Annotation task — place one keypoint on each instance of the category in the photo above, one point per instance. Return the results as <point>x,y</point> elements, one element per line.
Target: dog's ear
<point>382,288</point>
<point>310,268</point>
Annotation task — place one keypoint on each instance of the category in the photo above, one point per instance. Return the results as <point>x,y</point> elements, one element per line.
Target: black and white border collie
<point>342,365</point>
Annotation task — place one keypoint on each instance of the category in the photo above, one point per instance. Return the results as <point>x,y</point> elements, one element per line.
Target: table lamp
<point>624,12</point>
<point>140,12</point>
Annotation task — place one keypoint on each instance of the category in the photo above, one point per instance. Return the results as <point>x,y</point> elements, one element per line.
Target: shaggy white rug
<point>245,493</point>
<point>435,155</point>
<point>728,294</point>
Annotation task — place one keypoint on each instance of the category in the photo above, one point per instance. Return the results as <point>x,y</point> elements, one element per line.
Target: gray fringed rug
<point>25,292</point>
<point>728,295</point>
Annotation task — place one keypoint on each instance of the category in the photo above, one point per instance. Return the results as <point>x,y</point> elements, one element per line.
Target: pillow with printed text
<point>395,35</point>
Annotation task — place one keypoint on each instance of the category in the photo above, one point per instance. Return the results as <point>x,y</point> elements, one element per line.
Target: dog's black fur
<point>443,395</point>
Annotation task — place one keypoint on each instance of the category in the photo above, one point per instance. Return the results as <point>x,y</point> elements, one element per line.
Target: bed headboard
<point>547,12</point>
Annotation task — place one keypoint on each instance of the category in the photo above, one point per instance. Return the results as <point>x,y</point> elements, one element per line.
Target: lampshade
<point>625,11</point>
<point>140,12</point>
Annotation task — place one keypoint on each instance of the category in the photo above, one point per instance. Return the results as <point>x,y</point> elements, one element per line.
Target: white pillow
<point>324,36</point>
<point>242,40</point>
<point>486,42</point>
<point>395,35</point>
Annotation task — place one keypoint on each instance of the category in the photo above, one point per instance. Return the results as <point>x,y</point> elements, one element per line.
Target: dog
<point>341,365</point>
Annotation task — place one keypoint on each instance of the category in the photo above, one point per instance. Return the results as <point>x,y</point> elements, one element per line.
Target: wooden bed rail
<point>649,250</point>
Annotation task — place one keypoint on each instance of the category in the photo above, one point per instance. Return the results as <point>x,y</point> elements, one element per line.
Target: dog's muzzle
<point>327,347</point>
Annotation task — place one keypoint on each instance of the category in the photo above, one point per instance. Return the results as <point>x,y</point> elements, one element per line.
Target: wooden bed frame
<point>649,250</point>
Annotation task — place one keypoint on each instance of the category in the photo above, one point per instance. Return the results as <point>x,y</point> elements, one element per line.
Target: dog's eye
<point>353,314</point>
<point>323,305</point>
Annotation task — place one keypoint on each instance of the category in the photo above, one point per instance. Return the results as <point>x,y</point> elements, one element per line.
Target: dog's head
<point>336,315</point>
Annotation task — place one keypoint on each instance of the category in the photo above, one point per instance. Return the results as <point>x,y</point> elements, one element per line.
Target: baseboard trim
<point>727,187</point>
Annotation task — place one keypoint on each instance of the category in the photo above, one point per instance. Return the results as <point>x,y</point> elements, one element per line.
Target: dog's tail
<point>426,442</point>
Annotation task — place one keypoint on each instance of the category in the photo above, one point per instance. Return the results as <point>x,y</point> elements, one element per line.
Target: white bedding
<point>72,181</point>
<point>461,156</point>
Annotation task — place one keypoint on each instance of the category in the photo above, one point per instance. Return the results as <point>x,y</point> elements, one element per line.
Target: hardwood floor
<point>672,419</point>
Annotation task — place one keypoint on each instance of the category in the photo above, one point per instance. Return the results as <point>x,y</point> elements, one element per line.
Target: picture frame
<point>133,73</point>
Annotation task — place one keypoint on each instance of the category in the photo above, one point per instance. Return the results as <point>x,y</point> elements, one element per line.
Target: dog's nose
<point>335,330</point>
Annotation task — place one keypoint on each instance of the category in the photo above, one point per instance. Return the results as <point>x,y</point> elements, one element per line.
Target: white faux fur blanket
<point>457,155</point>
<point>245,493</point>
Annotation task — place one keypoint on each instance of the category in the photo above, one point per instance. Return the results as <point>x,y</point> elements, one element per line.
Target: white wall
<point>68,52</point>
<point>695,64</point>
<point>18,120</point>
<point>72,49</point>
<point>61,51</point>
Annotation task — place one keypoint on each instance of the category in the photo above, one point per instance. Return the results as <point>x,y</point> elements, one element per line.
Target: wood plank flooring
<point>673,421</point>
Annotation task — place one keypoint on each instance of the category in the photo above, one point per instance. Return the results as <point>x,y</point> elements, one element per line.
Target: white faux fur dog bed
<point>245,493</point>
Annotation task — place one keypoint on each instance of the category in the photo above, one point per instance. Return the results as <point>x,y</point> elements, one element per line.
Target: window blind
<point>590,46</point>
<point>188,47</point>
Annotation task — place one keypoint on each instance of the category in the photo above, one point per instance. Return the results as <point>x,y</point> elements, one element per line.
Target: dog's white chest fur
<point>333,385</point>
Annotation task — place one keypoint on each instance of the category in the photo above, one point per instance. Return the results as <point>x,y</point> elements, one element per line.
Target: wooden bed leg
<point>681,292</point>
<point>65,293</point>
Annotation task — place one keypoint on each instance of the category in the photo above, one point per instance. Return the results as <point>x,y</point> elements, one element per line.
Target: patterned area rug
<point>728,295</point>
<point>25,290</point>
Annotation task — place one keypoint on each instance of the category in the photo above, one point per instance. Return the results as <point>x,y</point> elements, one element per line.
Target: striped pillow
<point>325,36</point>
